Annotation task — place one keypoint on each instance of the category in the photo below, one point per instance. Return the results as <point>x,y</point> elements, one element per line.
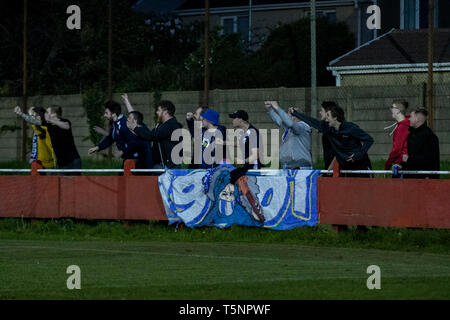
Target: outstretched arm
<point>57,122</point>
<point>101,131</point>
<point>27,117</point>
<point>272,113</point>
<point>145,133</point>
<point>127,103</point>
<point>318,124</point>
<point>297,127</point>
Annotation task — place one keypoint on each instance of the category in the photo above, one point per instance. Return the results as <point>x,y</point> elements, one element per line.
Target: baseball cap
<point>241,114</point>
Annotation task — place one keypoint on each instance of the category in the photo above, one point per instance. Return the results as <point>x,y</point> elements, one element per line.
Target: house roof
<point>200,4</point>
<point>156,6</point>
<point>398,47</point>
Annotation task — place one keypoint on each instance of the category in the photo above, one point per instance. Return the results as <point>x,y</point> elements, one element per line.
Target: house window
<point>228,25</point>
<point>410,10</point>
<point>235,24</point>
<point>414,14</point>
<point>329,14</point>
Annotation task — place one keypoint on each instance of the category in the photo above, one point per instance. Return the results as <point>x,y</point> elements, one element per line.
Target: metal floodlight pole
<point>206,61</point>
<point>250,4</point>
<point>430,63</point>
<point>24,82</point>
<point>109,50</point>
<point>313,76</point>
<point>109,63</point>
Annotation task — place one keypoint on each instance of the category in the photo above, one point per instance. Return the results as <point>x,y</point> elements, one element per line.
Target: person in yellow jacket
<point>43,151</point>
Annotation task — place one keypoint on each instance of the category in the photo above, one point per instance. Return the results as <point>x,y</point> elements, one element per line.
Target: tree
<point>284,59</point>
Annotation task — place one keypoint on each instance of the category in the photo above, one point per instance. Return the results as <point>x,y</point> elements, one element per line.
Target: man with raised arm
<point>295,149</point>
<point>128,145</point>
<point>349,143</point>
<point>161,136</point>
<point>42,149</point>
<point>191,117</point>
<point>60,131</point>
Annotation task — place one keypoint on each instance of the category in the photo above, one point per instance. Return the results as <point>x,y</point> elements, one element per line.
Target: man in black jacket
<point>161,136</point>
<point>191,117</point>
<point>348,142</point>
<point>423,146</point>
<point>328,155</point>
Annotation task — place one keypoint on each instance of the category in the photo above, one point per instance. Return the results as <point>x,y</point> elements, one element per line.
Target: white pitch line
<point>142,252</point>
<point>335,250</point>
<point>308,261</point>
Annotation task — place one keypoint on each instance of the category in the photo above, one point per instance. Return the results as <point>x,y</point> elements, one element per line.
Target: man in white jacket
<point>295,149</point>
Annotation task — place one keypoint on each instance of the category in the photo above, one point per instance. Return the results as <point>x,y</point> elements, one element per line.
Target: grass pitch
<point>36,269</point>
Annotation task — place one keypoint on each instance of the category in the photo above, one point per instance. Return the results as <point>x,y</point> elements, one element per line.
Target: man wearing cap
<point>212,153</point>
<point>248,140</point>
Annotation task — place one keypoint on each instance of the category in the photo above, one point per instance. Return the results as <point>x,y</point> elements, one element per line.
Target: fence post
<point>337,174</point>
<point>127,166</point>
<point>336,169</point>
<point>35,165</point>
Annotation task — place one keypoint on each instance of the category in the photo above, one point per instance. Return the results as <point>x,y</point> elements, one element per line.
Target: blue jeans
<point>75,164</point>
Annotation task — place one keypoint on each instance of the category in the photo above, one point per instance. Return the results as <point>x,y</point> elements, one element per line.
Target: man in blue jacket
<point>128,145</point>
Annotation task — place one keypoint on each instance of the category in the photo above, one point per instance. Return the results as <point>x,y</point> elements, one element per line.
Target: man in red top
<point>400,132</point>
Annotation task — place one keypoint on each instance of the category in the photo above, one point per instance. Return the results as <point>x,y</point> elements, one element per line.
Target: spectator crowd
<point>414,147</point>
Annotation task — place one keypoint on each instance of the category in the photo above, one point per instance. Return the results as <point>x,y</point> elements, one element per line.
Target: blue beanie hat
<point>212,116</point>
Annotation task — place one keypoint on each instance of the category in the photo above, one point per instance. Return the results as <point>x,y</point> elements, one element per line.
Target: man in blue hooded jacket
<point>128,145</point>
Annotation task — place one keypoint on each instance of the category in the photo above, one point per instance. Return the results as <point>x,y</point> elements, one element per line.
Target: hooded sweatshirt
<point>295,149</point>
<point>399,145</point>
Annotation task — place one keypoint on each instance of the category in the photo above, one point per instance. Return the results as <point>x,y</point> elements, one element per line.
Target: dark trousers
<point>363,164</point>
<point>75,164</point>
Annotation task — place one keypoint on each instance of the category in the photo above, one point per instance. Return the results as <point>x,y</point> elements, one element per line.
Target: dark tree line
<point>151,52</point>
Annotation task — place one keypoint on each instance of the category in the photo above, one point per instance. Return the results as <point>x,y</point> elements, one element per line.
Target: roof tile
<point>399,47</point>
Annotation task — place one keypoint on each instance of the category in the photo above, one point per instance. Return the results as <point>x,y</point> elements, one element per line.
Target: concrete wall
<point>366,106</point>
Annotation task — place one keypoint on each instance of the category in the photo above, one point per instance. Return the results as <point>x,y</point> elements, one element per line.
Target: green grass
<point>151,260</point>
<point>404,239</point>
<point>182,270</point>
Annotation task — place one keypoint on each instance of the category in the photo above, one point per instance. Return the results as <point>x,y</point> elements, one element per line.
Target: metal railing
<point>253,171</point>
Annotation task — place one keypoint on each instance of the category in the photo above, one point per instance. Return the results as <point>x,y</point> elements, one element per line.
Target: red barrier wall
<point>84,197</point>
<point>341,201</point>
<point>384,202</point>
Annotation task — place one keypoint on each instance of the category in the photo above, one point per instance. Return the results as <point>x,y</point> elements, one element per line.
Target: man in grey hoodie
<point>295,149</point>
